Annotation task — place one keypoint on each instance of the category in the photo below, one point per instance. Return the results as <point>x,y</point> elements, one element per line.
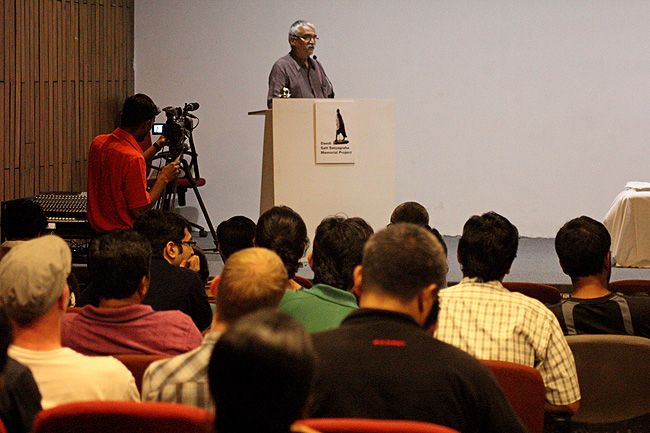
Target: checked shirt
<point>182,379</point>
<point>490,322</point>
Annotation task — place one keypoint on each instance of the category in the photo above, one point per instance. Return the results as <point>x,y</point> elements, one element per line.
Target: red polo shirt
<point>116,180</point>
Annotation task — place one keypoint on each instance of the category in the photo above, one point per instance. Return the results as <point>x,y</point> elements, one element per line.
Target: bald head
<point>251,279</point>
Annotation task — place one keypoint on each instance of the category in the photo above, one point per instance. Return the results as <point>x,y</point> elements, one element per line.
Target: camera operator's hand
<point>169,172</point>
<point>160,143</point>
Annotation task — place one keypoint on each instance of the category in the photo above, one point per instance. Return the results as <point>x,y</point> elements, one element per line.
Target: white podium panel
<point>290,175</point>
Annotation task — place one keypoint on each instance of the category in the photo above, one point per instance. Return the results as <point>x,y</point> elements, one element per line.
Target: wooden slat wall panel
<point>65,67</point>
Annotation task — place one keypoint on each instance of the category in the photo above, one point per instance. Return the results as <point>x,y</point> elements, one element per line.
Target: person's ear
<point>426,299</point>
<point>310,259</point>
<point>171,250</point>
<point>143,287</point>
<point>356,288</point>
<point>64,299</point>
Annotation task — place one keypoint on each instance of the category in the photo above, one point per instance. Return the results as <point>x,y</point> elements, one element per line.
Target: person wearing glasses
<point>298,74</point>
<point>118,263</point>
<point>174,280</point>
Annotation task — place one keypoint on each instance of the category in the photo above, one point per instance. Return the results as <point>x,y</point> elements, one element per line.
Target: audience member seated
<point>414,213</point>
<point>175,282</point>
<point>233,235</point>
<point>282,230</point>
<point>251,279</point>
<point>22,219</point>
<point>20,399</point>
<point>583,247</point>
<point>34,292</point>
<point>118,263</point>
<point>382,362</point>
<point>338,247</point>
<point>261,373</point>
<point>485,319</point>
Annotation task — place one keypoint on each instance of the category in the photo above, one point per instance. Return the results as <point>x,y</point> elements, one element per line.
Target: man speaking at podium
<point>117,183</point>
<point>297,75</point>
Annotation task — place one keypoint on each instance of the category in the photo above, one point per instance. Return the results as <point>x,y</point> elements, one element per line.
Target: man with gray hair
<point>35,294</point>
<point>382,362</point>
<point>252,279</point>
<point>298,75</point>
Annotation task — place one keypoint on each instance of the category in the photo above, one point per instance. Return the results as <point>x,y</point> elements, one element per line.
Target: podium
<point>291,176</point>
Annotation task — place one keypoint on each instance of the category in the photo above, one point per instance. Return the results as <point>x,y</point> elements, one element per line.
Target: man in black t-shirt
<point>583,247</point>
<point>381,363</point>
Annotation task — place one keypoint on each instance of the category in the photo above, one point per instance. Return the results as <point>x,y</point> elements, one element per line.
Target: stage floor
<point>536,262</point>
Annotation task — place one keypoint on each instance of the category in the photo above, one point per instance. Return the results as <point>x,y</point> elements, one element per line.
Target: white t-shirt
<point>64,376</point>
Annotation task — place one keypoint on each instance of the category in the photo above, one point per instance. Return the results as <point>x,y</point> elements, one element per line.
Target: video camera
<point>178,127</point>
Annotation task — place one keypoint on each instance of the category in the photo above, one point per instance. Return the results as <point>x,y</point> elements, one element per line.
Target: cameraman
<point>117,183</point>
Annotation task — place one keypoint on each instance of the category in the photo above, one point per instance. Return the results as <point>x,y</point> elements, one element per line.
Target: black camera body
<point>178,127</point>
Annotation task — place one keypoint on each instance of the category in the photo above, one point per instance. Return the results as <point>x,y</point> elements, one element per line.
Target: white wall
<point>539,110</point>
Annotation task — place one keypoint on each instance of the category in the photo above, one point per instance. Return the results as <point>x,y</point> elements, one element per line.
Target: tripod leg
<point>201,204</point>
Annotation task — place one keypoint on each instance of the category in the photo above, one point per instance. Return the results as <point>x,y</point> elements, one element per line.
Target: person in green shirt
<point>338,248</point>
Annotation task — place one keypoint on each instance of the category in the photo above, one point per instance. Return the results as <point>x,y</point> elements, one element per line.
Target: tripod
<point>190,179</point>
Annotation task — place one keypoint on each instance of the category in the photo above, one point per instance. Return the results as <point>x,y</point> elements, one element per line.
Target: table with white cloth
<point>628,222</point>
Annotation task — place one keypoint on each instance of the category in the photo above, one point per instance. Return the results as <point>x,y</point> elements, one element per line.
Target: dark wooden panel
<point>66,66</point>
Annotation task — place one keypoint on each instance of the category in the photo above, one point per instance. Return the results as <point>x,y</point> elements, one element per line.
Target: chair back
<point>214,285</point>
<point>137,364</point>
<point>304,282</point>
<point>542,292</point>
<point>614,377</point>
<point>360,425</point>
<point>524,388</point>
<point>630,287</point>
<point>123,417</point>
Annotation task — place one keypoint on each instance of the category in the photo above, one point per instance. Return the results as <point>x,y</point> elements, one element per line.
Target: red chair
<point>542,292</point>
<point>359,425</point>
<point>630,287</point>
<point>524,387</point>
<point>304,282</point>
<point>137,364</point>
<point>214,284</point>
<point>3,429</point>
<point>123,417</point>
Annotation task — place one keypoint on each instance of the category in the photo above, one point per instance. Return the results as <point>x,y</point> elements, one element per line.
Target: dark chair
<point>359,425</point>
<point>123,417</point>
<point>542,292</point>
<point>524,387</point>
<point>614,382</point>
<point>630,287</point>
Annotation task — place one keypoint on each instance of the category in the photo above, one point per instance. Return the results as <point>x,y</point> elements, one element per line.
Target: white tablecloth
<point>628,222</point>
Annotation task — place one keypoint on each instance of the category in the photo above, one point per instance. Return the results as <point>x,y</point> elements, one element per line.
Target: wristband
<point>155,144</point>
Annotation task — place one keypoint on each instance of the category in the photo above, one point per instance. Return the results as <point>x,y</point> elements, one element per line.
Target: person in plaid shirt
<point>252,279</point>
<point>485,319</point>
